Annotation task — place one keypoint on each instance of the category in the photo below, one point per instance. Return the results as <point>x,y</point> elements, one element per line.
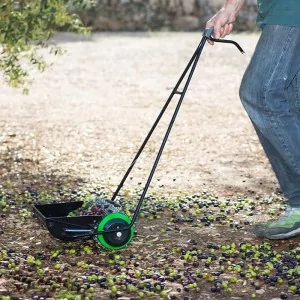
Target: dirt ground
<point>86,116</point>
<point>82,124</point>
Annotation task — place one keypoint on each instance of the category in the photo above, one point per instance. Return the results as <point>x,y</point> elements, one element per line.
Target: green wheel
<point>118,239</point>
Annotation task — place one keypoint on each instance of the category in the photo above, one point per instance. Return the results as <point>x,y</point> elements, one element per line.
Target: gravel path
<point>87,115</point>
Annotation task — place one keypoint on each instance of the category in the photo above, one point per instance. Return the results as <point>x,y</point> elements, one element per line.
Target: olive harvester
<point>110,228</point>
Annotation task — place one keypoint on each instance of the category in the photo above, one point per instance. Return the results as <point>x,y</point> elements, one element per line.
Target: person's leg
<point>270,95</point>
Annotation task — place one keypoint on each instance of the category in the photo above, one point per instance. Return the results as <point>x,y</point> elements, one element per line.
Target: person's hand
<point>223,20</point>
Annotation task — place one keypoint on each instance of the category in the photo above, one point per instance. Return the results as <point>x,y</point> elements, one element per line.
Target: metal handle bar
<point>206,36</point>
<point>191,66</point>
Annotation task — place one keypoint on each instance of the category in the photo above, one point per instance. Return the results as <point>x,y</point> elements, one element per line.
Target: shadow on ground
<point>20,172</point>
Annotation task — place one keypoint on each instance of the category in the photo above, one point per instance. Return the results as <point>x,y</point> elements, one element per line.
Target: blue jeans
<point>270,93</point>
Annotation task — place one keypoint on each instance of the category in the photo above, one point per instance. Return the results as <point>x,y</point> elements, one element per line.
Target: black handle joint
<point>208,32</point>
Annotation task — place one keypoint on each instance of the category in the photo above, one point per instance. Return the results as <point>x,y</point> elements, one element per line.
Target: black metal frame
<point>85,230</point>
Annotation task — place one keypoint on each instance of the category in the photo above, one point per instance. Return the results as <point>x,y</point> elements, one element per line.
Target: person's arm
<point>222,21</point>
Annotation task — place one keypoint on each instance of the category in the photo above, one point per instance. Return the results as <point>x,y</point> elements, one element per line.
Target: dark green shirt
<point>278,12</point>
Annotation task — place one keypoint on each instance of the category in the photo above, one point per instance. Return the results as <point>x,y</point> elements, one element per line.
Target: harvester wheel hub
<point>118,239</point>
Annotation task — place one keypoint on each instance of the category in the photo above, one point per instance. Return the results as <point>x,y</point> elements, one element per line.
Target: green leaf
<point>26,26</point>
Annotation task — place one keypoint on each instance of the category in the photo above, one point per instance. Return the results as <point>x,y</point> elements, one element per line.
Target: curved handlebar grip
<point>227,42</point>
<point>208,35</point>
